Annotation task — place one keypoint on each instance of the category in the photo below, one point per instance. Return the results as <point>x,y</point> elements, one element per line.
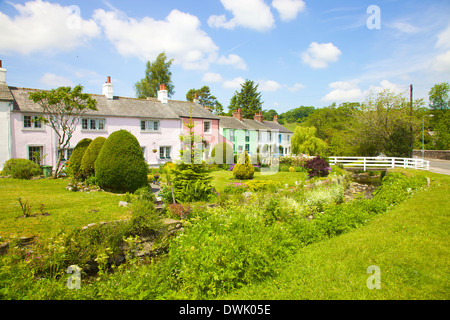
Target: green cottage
<point>249,134</point>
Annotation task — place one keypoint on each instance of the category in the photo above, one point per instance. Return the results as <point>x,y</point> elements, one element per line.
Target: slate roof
<point>5,94</point>
<point>276,126</point>
<point>233,123</point>
<point>250,124</point>
<point>122,106</point>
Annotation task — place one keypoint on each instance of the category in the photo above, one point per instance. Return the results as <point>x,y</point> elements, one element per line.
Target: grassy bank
<point>408,243</point>
<point>66,210</point>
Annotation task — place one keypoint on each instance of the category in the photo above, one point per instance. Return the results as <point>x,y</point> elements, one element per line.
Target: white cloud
<point>343,91</point>
<point>252,14</point>
<point>296,87</point>
<point>53,80</point>
<point>212,77</point>
<point>404,27</point>
<point>234,60</point>
<point>444,39</point>
<point>46,27</point>
<point>384,85</point>
<point>319,55</point>
<point>268,85</point>
<point>442,63</point>
<point>233,84</point>
<point>179,36</point>
<point>288,9</point>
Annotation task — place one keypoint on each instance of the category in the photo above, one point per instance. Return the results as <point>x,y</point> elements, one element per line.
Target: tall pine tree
<point>248,100</point>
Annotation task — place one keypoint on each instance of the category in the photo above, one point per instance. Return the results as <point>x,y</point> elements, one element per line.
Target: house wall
<point>168,135</point>
<point>212,138</point>
<point>22,138</point>
<point>5,132</point>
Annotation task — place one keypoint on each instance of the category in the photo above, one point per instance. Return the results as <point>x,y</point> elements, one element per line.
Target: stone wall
<point>433,154</point>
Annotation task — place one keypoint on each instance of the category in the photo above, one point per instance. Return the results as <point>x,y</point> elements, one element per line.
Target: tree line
<point>385,123</point>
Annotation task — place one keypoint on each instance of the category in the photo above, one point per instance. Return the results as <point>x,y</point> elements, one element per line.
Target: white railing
<point>372,163</point>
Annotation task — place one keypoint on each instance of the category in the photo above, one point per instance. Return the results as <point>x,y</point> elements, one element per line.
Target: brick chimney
<point>107,89</point>
<point>258,117</point>
<point>2,73</point>
<point>196,101</point>
<point>162,94</point>
<point>238,114</point>
<point>275,118</point>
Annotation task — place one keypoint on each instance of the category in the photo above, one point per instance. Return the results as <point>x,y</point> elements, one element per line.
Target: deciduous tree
<point>156,73</point>
<point>206,99</point>
<point>62,109</point>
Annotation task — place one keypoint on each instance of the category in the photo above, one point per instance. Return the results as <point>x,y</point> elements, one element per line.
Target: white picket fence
<point>373,163</point>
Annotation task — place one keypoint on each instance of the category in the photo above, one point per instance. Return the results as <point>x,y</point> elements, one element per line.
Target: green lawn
<point>410,245</point>
<point>69,210</point>
<point>66,209</point>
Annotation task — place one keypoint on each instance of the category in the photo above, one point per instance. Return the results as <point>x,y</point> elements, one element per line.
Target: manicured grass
<point>67,210</point>
<point>409,244</point>
<point>220,178</point>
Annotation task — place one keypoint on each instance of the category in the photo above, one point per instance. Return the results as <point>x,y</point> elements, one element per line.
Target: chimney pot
<point>258,117</point>
<point>238,114</point>
<point>107,89</point>
<point>162,94</point>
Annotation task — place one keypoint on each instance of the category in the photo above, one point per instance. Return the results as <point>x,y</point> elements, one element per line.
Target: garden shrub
<point>144,218</point>
<point>191,182</point>
<point>74,163</point>
<point>87,167</point>
<point>145,193</point>
<point>243,170</point>
<point>227,249</point>
<point>263,185</point>
<point>180,211</point>
<point>120,165</point>
<point>317,167</point>
<point>21,169</point>
<point>235,187</point>
<point>322,196</point>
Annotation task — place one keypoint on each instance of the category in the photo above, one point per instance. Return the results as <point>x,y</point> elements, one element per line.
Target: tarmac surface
<point>439,166</point>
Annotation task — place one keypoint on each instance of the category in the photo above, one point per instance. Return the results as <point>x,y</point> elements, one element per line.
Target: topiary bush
<point>87,167</point>
<point>317,167</point>
<point>74,163</point>
<point>120,165</point>
<point>243,170</point>
<point>21,169</point>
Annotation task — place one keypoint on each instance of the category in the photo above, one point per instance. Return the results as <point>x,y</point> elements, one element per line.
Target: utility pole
<point>410,116</point>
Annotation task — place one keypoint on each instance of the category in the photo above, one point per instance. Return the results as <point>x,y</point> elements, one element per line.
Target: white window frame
<point>232,137</point>
<point>34,124</point>
<point>163,154</point>
<point>210,126</point>
<point>29,155</point>
<point>147,126</point>
<point>93,124</point>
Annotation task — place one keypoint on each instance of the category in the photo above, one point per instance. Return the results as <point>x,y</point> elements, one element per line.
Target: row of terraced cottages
<point>157,123</point>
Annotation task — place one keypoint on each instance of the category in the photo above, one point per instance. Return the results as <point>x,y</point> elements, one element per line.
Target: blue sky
<point>301,52</point>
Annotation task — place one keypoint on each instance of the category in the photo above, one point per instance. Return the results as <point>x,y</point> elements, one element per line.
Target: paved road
<point>439,166</point>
